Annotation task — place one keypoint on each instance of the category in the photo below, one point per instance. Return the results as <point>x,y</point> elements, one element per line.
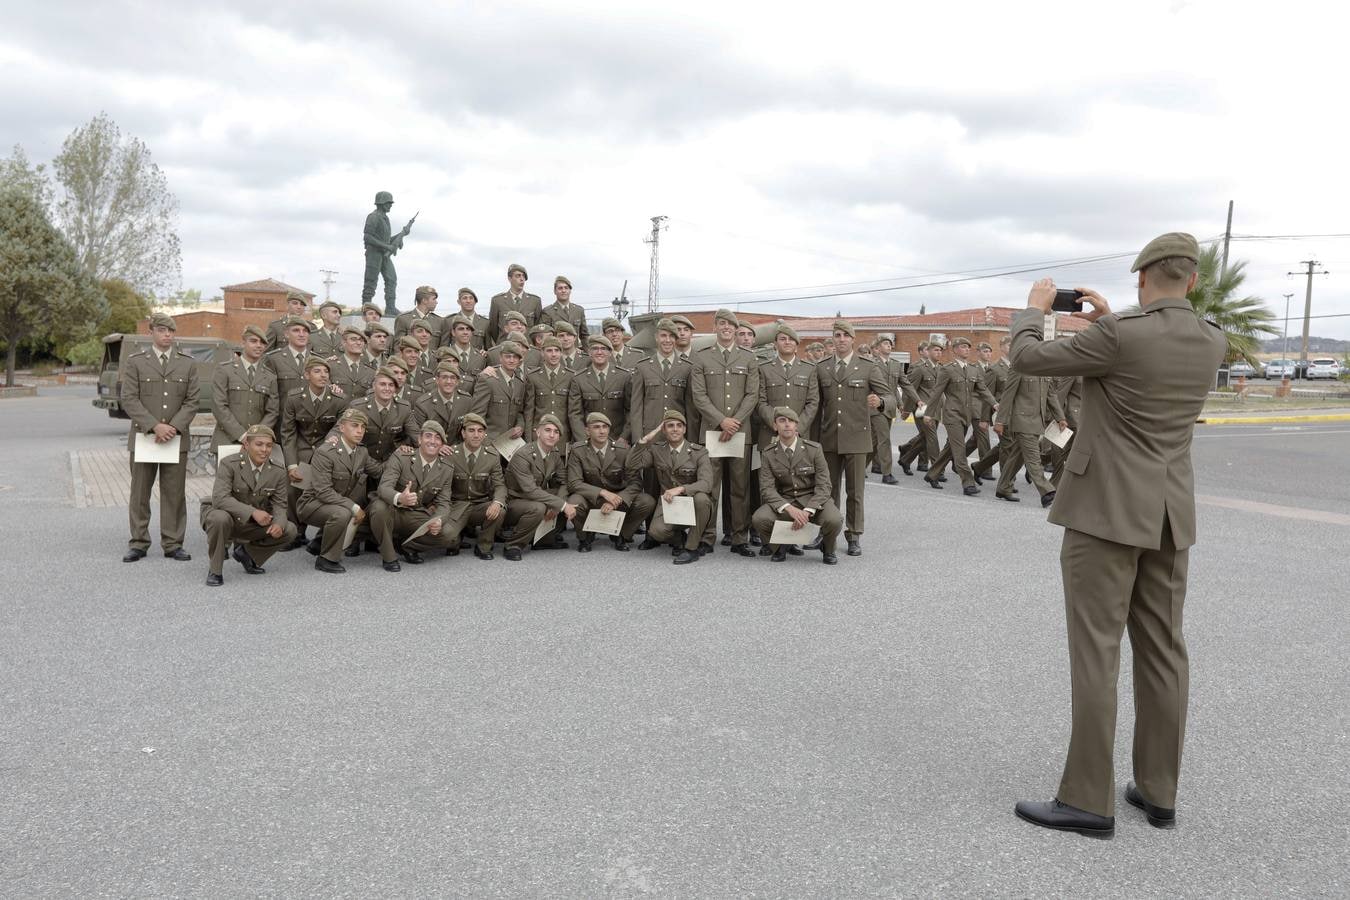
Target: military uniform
<point>387,429</point>
<point>536,481</point>
<point>902,391</point>
<point>337,488</point>
<point>326,344</point>
<point>352,378</point>
<point>629,358</point>
<point>494,354</point>
<point>480,331</point>
<point>793,385</point>
<point>725,384</point>
<point>239,489</point>
<point>996,377</point>
<point>923,447</point>
<point>305,423</point>
<point>1069,389</point>
<point>475,483</point>
<point>389,521</point>
<point>242,397</point>
<point>548,393</point>
<point>846,427</point>
<point>527,304</point>
<point>288,367</point>
<point>155,393</point>
<point>501,403</point>
<point>798,477</point>
<point>611,395</point>
<point>566,312</point>
<point>403,323</point>
<point>589,470</point>
<point>1027,405</point>
<point>688,466</point>
<point>471,361</point>
<point>655,389</point>
<point>960,390</point>
<point>433,405</point>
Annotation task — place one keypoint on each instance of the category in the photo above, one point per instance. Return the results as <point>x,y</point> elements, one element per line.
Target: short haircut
<point>1171,269</point>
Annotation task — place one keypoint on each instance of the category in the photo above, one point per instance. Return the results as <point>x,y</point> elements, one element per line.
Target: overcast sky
<point>792,146</point>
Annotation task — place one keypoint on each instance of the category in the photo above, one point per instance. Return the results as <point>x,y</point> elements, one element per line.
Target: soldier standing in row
<point>923,447</point>
<point>424,310</point>
<point>244,392</point>
<point>444,404</point>
<point>513,299</point>
<point>660,382</point>
<point>348,371</point>
<point>326,340</point>
<point>468,309</point>
<point>549,387</point>
<point>287,362</point>
<point>786,381</point>
<point>297,307</point>
<point>902,392</point>
<point>247,507</point>
<point>603,388</point>
<point>500,398</point>
<point>377,345</point>
<point>466,350</point>
<point>562,309</point>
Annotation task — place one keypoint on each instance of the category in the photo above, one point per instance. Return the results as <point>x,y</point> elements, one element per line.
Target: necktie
<point>300,361</point>
<point>665,368</point>
<point>550,378</point>
<point>473,458</point>
<point>249,369</point>
<point>463,360</point>
<point>600,377</point>
<point>726,357</point>
<point>163,362</point>
<point>839,371</point>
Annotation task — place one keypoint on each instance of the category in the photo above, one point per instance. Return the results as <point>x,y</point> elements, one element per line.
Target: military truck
<point>208,352</point>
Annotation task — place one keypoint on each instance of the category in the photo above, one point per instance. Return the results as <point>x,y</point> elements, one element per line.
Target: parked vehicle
<point>1280,368</point>
<point>1301,369</point>
<point>1242,369</point>
<point>208,352</point>
<point>1324,367</point>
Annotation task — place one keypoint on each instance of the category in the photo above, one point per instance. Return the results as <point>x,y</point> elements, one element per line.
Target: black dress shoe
<point>766,550</point>
<point>1047,500</point>
<point>829,559</point>
<point>583,546</point>
<point>922,467</point>
<point>214,580</point>
<point>332,568</point>
<point>452,551</point>
<point>755,539</point>
<point>392,566</point>
<point>296,543</point>
<point>876,469</point>
<point>904,467</point>
<point>854,547</point>
<point>1013,490</point>
<point>684,557</point>
<point>794,550</point>
<point>1009,497</point>
<point>413,557</point>
<point>649,544</point>
<point>353,551</point>
<point>512,553</point>
<point>706,549</point>
<point>726,540</point>
<point>1158,816</point>
<point>970,490</point>
<point>314,546</point>
<point>932,484</point>
<point>242,557</point>
<point>779,555</point>
<point>1062,817</point>
<point>1027,477</point>
<point>889,479</point>
<point>620,544</point>
<point>942,478</point>
<point>742,550</point>
<point>481,555</point>
<point>178,555</point>
<point>133,555</point>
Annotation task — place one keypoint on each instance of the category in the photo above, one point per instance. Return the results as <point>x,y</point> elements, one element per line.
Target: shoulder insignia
<point>295,392</point>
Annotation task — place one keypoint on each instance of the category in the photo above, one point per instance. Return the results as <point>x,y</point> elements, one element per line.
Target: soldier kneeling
<point>682,469</point>
<point>794,481</point>
<point>248,506</point>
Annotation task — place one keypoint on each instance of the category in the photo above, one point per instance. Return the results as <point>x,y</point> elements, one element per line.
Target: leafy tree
<point>116,208</point>
<point>17,172</point>
<point>125,308</point>
<point>44,293</point>
<point>1215,297</point>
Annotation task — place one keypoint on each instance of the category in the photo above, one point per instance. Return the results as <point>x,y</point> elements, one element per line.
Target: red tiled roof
<point>996,317</point>
<point>267,286</point>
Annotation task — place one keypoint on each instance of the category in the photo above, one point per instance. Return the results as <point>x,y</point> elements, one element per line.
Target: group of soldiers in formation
<point>463,431</point>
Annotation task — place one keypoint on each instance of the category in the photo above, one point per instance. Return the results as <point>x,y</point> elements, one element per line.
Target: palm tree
<point>1215,297</point>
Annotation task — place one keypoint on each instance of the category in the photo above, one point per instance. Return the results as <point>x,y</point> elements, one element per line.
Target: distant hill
<point>1315,345</point>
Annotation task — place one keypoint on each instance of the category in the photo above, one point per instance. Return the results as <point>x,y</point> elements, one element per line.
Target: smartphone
<point>1067,301</point>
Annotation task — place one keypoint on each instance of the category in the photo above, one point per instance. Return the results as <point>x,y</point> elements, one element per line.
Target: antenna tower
<point>653,281</point>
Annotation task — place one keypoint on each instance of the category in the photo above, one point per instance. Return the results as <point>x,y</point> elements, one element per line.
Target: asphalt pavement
<point>596,725</point>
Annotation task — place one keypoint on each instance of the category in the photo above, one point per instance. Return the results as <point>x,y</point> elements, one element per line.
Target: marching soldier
<point>786,381</point>
<point>903,392</point>
<point>468,304</point>
<point>424,311</point>
<point>326,340</point>
<point>296,308</point>
<point>515,327</point>
<point>682,469</point>
<point>600,387</point>
<point>660,382</point>
<point>308,414</point>
<point>500,398</point>
<point>414,491</point>
<point>1028,403</point>
<point>851,389</point>
<point>159,394</point>
<point>536,490</point>
<point>466,351</point>
<point>996,376</point>
<point>1069,389</point>
<point>982,412</point>
<point>247,506</point>
<point>548,387</point>
<point>336,494</point>
<point>923,447</point>
<point>598,477</point>
<point>960,389</point>
<point>443,404</point>
<point>562,309</point>
<point>725,389</point>
<point>513,299</point>
<point>477,489</point>
<point>377,345</point>
<point>794,480</point>
<point>244,392</point>
<point>287,362</point>
<point>349,371</point>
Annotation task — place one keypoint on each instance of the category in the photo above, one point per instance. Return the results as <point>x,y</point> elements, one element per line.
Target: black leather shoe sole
<point>854,548</point>
<point>829,559</point>
<point>1067,823</point>
<point>1047,500</point>
<point>512,554</point>
<point>906,469</point>
<point>392,566</point>
<point>214,580</point>
<point>685,557</point>
<point>179,555</point>
<point>1009,497</point>
<point>134,556</point>
<point>480,554</point>
<point>794,550</point>
<point>932,484</point>
<point>1158,816</point>
<point>970,490</point>
<point>889,479</point>
<point>779,556</point>
<point>331,568</point>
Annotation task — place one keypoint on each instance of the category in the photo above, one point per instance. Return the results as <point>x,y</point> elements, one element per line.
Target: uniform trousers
<point>634,514</point>
<point>332,519</point>
<point>523,517</point>
<point>471,514</point>
<point>738,477</point>
<point>221,528</point>
<point>828,518</point>
<point>1110,587</point>
<point>172,503</point>
<point>662,533</point>
<point>379,265</point>
<point>954,452</point>
<point>388,524</point>
<point>293,491</point>
<point>881,444</point>
<point>923,446</point>
<point>1024,448</point>
<point>991,456</point>
<point>852,466</point>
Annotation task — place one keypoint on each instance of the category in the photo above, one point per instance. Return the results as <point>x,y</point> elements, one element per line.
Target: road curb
<point>1262,420</point>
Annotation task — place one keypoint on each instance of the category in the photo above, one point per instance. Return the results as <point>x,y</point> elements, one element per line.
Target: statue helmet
<point>383,197</point>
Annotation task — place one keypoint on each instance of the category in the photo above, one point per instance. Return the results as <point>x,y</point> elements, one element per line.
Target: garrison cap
<point>353,414</point>
<point>516,267</point>
<point>255,331</point>
<point>550,341</point>
<point>327,303</point>
<point>511,347</point>
<point>461,320</point>
<point>844,326</point>
<point>387,371</point>
<point>984,345</point>
<point>297,296</point>
<point>786,412</point>
<point>562,279</point>
<point>673,414</point>
<point>549,419</point>
<point>958,341</point>
<point>815,345</point>
<point>377,326</point>
<point>599,340</point>
<point>446,352</point>
<point>354,329</point>
<point>473,419</point>
<point>163,319</point>
<point>666,325</point>
<point>467,290</point>
<point>434,427</point>
<point>1165,246</point>
<point>448,365</point>
<point>394,362</point>
<point>292,321</point>
<point>371,307</point>
<point>886,336</point>
<point>564,328</point>
<point>683,320</point>
<point>786,329</point>
<point>314,361</point>
<point>419,323</point>
<point>726,315</point>
<point>259,431</point>
<point>514,316</point>
<point>409,343</point>
<point>424,290</point>
<point>610,322</point>
<point>541,328</point>
<point>597,417</point>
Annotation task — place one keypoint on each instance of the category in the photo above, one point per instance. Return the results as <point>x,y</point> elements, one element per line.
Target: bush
<point>86,353</point>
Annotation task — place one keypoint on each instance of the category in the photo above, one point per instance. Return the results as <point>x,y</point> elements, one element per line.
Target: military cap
<point>786,412</point>
<point>958,341</point>
<point>473,419</point>
<point>377,326</point>
<point>887,336</point>
<point>296,295</point>
<point>600,340</point>
<point>259,431</point>
<point>446,352</point>
<point>163,319</point>
<point>383,197</point>
<point>514,316</point>
<point>564,328</point>
<point>424,290</point>
<point>673,414</point>
<point>511,347</point>
<point>610,322</point>
<point>541,328</point>
<point>409,343</point>
<point>667,325</point>
<point>1006,339</point>
<point>938,342</point>
<point>984,345</point>
<point>461,320</point>
<point>516,267</point>
<point>562,279</point>
<point>448,365</point>
<point>395,362</point>
<point>434,427</point>
<point>1165,246</point>
<point>594,417</point>
<point>333,303</point>
<point>354,329</point>
<point>371,307</point>
<point>255,331</point>
<point>354,414</point>
<point>387,371</point>
<point>314,361</point>
<point>420,323</point>
<point>683,320</point>
<point>815,345</point>
<point>550,341</point>
<point>292,321</point>
<point>785,328</point>
<point>549,419</point>
<point>844,326</point>
<point>469,291</point>
<point>726,315</point>
<point>923,345</point>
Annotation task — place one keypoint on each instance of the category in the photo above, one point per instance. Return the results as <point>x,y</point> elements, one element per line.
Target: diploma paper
<point>600,523</point>
<point>422,530</point>
<point>306,474</point>
<point>148,450</point>
<point>351,533</point>
<point>717,448</point>
<point>783,533</point>
<point>755,461</point>
<point>1048,332</point>
<point>1057,436</point>
<point>507,445</point>
<point>920,410</point>
<point>680,511</point>
<point>225,450</point>
<point>545,527</point>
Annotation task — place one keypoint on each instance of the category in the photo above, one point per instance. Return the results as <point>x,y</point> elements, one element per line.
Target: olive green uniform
<point>590,470</point>
<point>501,403</point>
<point>846,427</point>
<point>1026,406</point>
<point>658,386</point>
<point>570,313</point>
<point>902,391</point>
<point>337,487</point>
<point>476,481</point>
<point>243,396</point>
<point>725,384</point>
<point>390,522</point>
<point>689,466</point>
<point>228,516</point>
<point>547,393</point>
<point>959,392</point>
<point>353,379</point>
<point>450,412</point>
<point>536,481</point>
<point>403,323</point>
<point>609,392</point>
<point>794,385</point>
<point>155,393</point>
<point>923,447</point>
<point>798,477</point>
<point>527,304</point>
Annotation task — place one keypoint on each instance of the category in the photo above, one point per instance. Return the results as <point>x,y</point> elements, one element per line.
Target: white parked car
<point>1323,367</point>
<point>1243,368</point>
<point>1280,368</point>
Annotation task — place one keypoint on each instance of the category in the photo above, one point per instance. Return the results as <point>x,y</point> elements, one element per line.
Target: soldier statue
<point>381,245</point>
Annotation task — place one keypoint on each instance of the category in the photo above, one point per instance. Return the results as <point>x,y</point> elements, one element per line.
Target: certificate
<point>755,461</point>
<point>507,445</point>
<point>351,533</point>
<point>148,450</point>
<point>920,410</point>
<point>1058,436</point>
<point>784,533</point>
<point>422,530</point>
<point>306,474</point>
<point>545,528</point>
<point>679,511</point>
<point>600,523</point>
<point>1048,330</point>
<point>716,447</point>
<point>225,450</point>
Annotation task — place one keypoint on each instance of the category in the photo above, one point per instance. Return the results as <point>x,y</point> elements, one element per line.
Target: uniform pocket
<point>1077,462</point>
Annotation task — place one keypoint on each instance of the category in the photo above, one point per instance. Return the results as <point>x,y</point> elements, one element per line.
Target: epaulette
<point>296,391</point>
<point>808,442</point>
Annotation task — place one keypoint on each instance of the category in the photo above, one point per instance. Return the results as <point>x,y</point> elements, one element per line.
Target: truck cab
<point>208,353</point>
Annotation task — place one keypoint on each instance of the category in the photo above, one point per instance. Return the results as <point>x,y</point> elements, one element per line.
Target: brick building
<point>251,303</point>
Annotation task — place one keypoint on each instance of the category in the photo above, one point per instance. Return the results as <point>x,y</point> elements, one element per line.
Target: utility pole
<point>328,282</point>
<point>1284,354</point>
<point>1307,304</point>
<point>653,280</point>
<point>1227,236</point>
